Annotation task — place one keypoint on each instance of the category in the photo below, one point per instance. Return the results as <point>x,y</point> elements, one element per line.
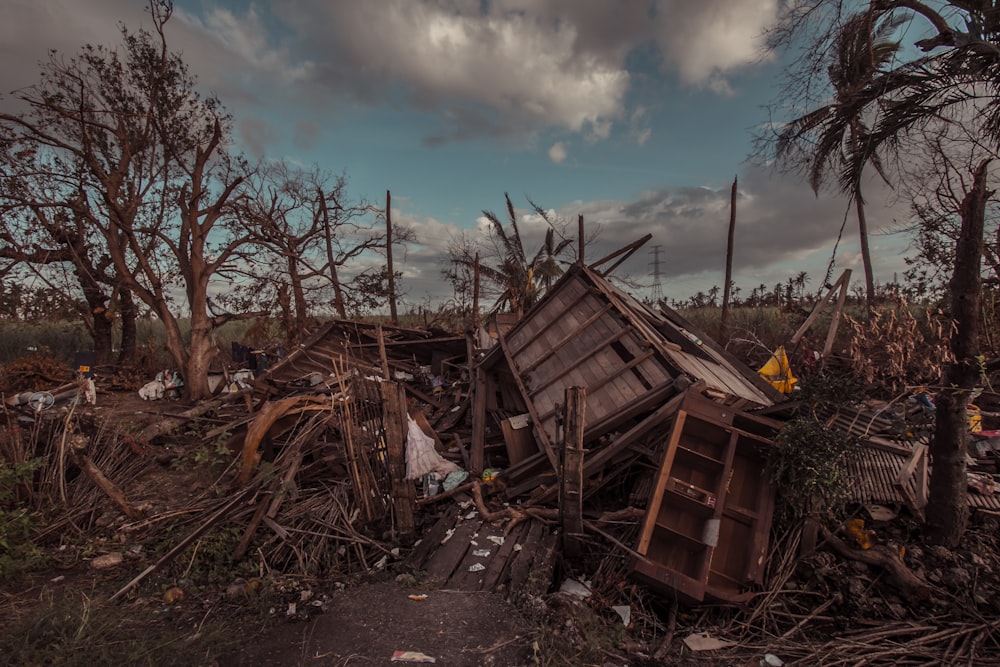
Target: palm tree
<point>861,50</point>
<point>521,281</point>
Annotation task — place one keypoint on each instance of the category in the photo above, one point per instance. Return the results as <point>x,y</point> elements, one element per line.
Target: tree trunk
<point>128,314</point>
<point>201,352</point>
<point>866,253</point>
<point>338,292</point>
<point>947,507</point>
<point>102,334</point>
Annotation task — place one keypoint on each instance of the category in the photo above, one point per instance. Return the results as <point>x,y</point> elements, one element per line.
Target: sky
<point>636,114</point>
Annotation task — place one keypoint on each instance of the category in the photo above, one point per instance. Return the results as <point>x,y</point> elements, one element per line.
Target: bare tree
<point>154,175</point>
<point>307,231</point>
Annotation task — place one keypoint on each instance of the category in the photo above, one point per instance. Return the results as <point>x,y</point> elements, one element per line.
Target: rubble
<point>596,436</point>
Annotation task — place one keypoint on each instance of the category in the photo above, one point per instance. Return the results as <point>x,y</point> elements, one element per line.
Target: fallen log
<point>164,426</point>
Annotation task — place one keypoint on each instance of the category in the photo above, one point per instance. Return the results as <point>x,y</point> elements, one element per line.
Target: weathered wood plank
<point>443,562</point>
<point>431,540</point>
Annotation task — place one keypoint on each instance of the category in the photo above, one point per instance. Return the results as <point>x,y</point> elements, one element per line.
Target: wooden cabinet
<point>706,528</point>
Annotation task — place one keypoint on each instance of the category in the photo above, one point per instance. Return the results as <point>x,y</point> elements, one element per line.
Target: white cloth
<point>152,391</point>
<point>421,457</point>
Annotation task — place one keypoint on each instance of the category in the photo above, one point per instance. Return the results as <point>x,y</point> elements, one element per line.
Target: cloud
<point>498,68</point>
<point>257,134</point>
<point>557,153</point>
<point>495,69</point>
<point>703,41</point>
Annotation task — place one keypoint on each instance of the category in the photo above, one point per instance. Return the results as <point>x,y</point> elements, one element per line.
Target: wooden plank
<point>841,284</point>
<point>404,495</point>
<point>467,576</point>
<point>500,565</point>
<point>617,373</point>
<point>520,568</point>
<point>542,566</point>
<point>623,413</point>
<point>478,453</point>
<point>649,523</point>
<point>548,312</point>
<point>443,562</point>
<point>598,346</point>
<point>566,303</point>
<point>579,360</point>
<point>565,340</point>
<point>520,442</point>
<point>571,482</point>
<point>431,539</point>
<point>597,460</point>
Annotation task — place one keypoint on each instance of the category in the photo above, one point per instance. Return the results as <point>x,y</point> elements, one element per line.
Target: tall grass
<point>62,340</point>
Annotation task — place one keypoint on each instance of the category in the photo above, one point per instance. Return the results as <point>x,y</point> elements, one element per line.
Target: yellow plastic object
<point>855,529</point>
<point>975,419</point>
<point>778,372</point>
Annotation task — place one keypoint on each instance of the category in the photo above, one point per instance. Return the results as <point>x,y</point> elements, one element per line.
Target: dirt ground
<point>366,624</point>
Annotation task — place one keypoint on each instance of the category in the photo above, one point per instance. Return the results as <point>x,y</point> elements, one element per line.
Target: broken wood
<point>78,452</point>
<point>841,284</point>
<point>540,434</point>
<point>912,587</point>
<point>404,494</point>
<point>165,426</point>
<point>182,545</point>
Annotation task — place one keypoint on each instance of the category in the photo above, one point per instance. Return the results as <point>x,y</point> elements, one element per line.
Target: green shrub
<point>18,522</point>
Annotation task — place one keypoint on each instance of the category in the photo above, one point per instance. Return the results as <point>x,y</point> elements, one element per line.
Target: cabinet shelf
<point>690,496</point>
<point>666,532</point>
<point>699,456</point>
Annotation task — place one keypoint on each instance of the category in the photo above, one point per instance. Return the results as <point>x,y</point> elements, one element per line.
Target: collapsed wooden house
<point>703,483</point>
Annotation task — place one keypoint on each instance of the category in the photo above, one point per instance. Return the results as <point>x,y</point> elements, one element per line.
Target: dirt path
<point>365,624</point>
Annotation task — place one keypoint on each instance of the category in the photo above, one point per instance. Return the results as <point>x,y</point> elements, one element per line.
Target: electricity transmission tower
<point>657,285</point>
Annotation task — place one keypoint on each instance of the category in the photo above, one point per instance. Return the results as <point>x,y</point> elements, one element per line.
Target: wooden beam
<point>404,495</point>
<point>571,481</point>
<point>627,251</point>
<point>831,334</point>
<point>597,460</point>
<point>841,284</point>
<point>478,445</point>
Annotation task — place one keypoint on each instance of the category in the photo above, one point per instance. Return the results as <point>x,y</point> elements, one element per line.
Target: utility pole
<point>388,259</point>
<point>724,318</point>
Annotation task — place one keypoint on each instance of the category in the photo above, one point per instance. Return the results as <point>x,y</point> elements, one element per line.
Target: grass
<point>80,629</point>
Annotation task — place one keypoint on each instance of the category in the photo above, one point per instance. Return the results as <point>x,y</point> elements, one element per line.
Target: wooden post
<point>724,319</point>
<point>381,353</point>
<point>388,259</point>
<point>475,293</point>
<point>478,454</point>
<point>583,240</point>
<point>404,495</point>
<point>571,482</point>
